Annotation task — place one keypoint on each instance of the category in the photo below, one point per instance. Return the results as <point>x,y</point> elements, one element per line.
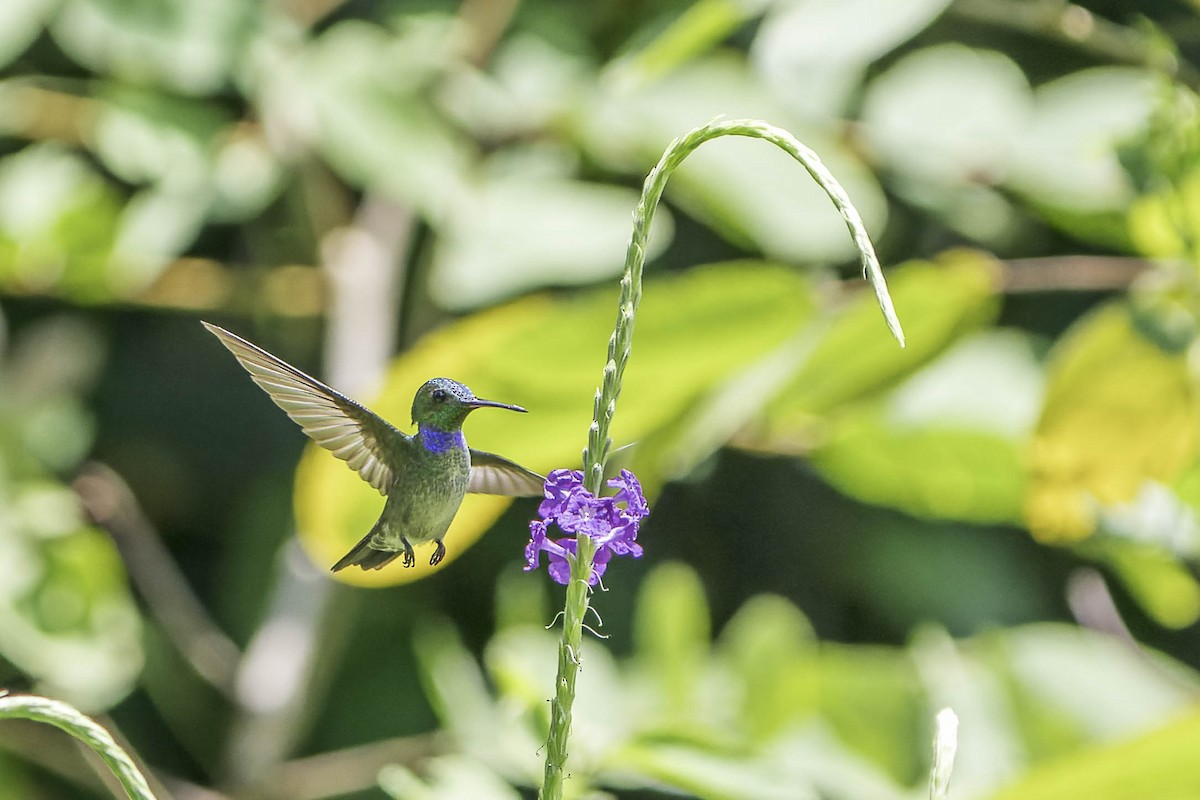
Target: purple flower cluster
<point>577,511</point>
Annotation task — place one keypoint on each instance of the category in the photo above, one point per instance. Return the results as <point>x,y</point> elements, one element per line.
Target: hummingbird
<point>424,476</point>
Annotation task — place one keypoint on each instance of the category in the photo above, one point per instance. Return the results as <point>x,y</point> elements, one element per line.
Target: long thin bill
<point>478,403</point>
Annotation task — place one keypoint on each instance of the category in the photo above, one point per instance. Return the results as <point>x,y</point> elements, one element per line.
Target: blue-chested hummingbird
<point>423,476</point>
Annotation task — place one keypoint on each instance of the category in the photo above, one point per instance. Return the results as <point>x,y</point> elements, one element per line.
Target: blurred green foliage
<point>1003,517</point>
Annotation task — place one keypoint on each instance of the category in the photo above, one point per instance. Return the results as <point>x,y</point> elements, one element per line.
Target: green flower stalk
<point>620,345</point>
<point>63,716</point>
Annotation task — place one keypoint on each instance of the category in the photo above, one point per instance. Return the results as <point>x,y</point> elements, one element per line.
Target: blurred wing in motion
<point>491,474</point>
<point>332,420</point>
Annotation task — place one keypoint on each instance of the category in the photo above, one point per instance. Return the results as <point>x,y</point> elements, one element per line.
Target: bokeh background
<point>846,536</point>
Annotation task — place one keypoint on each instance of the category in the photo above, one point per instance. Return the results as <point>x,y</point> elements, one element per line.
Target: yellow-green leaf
<point>975,476</point>
<point>1161,765</point>
<point>1118,412</point>
<point>939,300</point>
<point>547,354</point>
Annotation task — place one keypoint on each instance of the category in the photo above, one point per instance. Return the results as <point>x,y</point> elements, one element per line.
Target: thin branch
<point>1072,273</point>
<point>353,769</point>
<point>286,668</point>
<point>170,600</point>
<point>1092,604</point>
<point>1078,26</point>
<point>486,21</point>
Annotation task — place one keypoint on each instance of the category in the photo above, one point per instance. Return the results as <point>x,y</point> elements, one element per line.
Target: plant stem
<point>620,345</point>
<point>63,716</point>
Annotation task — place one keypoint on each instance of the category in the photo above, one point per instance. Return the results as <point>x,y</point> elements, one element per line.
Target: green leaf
<point>755,196</point>
<point>1163,223</point>
<point>1092,681</point>
<point>940,301</point>
<point>948,114</point>
<point>939,473</point>
<point>815,52</point>
<point>1159,764</point>
<point>377,131</point>
<point>450,777</point>
<point>718,776</point>
<point>1161,583</point>
<point>547,354</point>
<point>1066,161</point>
<point>58,221</point>
<point>512,234</point>
<point>767,643</point>
<point>697,30</point>
<point>944,120</point>
<point>67,619</point>
<point>1165,517</point>
<point>188,47</point>
<point>870,697</point>
<point>672,632</point>
<point>20,23</point>
<point>949,443</point>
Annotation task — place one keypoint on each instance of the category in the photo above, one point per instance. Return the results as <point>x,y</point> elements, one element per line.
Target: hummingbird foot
<point>438,554</point>
<point>410,560</point>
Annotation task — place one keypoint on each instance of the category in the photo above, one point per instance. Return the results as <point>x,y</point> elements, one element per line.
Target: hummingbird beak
<point>480,403</point>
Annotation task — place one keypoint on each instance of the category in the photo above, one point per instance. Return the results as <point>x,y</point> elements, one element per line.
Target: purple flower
<point>577,511</point>
<point>560,484</point>
<point>630,493</point>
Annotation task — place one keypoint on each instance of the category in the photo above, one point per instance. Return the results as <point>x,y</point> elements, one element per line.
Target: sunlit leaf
<point>155,227</point>
<point>514,234</point>
<point>948,113</point>
<point>953,676</point>
<point>459,692</point>
<point>972,476</point>
<point>1066,162</point>
<point>378,132</point>
<point>814,53</point>
<point>449,777</point>
<point>66,616</point>
<point>547,355</point>
<point>1159,764</point>
<point>1163,223</point>
<point>20,23</point>
<point>698,773</point>
<point>1164,517</point>
<point>1098,683</point>
<point>673,631</point>
<point>949,443</point>
<point>946,120</point>
<point>58,221</point>
<point>766,641</point>
<point>1157,579</point>
<point>940,301</point>
<point>1118,412</point>
<point>868,694</point>
<point>749,191</point>
<point>528,86</point>
<point>188,47</point>
<point>697,30</point>
<point>1162,160</point>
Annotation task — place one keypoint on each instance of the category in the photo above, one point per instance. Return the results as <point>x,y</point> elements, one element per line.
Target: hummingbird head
<point>443,404</point>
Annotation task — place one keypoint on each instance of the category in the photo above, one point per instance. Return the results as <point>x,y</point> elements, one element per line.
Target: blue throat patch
<point>436,441</point>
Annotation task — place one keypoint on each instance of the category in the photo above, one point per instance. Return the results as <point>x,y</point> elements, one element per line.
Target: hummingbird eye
<point>438,395</point>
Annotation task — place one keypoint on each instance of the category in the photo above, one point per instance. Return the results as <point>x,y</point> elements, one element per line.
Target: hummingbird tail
<point>365,556</point>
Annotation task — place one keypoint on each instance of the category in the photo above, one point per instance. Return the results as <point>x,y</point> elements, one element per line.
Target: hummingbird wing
<point>492,474</point>
<point>352,433</point>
